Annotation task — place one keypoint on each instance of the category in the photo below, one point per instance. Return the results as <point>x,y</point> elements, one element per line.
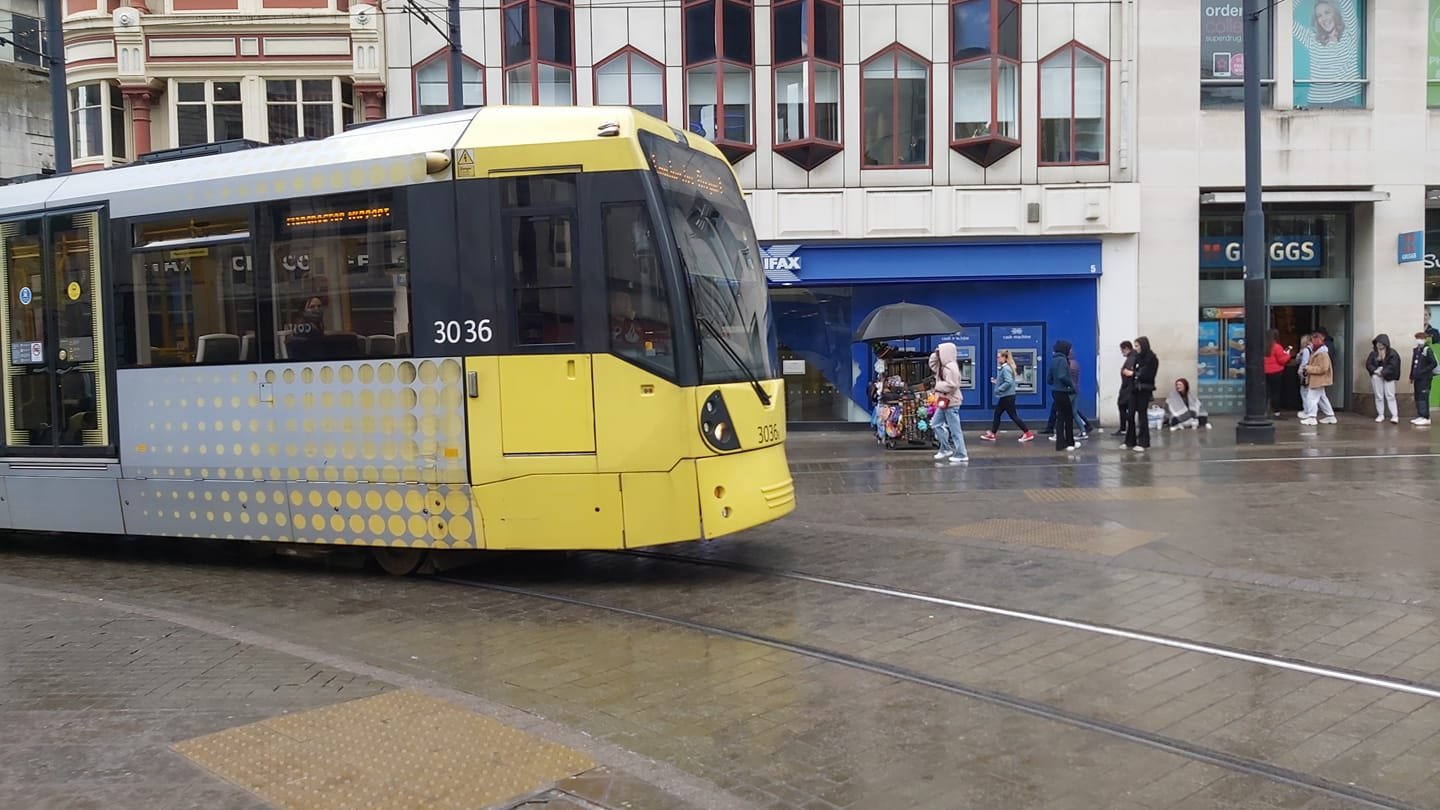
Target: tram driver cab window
<point>540,233</point>
<point>340,279</point>
<point>640,325</point>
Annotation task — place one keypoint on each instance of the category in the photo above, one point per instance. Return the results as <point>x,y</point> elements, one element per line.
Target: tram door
<point>53,352</point>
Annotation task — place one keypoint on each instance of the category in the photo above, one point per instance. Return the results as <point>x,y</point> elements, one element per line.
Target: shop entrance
<point>1220,376</point>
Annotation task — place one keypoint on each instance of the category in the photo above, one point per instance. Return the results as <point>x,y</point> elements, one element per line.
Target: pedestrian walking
<point>1422,373</point>
<point>1384,367</point>
<point>1127,385</point>
<point>1319,375</point>
<point>1005,389</point>
<point>948,399</point>
<point>1142,376</point>
<point>1302,360</point>
<point>1276,359</point>
<point>1062,393</point>
<point>1082,425</point>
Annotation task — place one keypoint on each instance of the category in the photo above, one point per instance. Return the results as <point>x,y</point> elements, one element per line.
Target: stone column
<point>140,99</point>
<point>372,101</point>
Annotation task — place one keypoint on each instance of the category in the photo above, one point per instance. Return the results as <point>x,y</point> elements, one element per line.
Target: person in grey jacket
<point>1005,389</point>
<point>1062,392</point>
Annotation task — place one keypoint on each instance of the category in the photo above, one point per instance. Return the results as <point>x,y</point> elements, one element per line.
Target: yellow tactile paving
<point>1106,540</point>
<point>396,751</point>
<point>1110,494</point>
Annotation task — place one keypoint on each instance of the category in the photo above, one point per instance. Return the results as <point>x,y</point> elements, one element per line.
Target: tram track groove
<point>1290,663</point>
<point>1196,752</point>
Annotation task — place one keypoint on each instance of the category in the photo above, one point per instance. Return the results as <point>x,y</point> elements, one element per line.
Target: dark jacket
<point>1389,368</point>
<point>1127,384</point>
<point>1147,366</point>
<point>1058,376</point>
<point>1422,363</point>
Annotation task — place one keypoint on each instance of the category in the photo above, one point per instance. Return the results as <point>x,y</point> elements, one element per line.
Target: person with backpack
<point>1147,367</point>
<point>1422,374</point>
<point>1062,393</point>
<point>1005,390</point>
<point>1384,367</point>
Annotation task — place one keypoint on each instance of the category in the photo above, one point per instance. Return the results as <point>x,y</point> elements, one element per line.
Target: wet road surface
<point>1200,626</point>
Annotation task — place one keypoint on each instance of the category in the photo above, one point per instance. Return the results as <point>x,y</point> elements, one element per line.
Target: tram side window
<point>540,227</point>
<point>640,323</point>
<point>341,279</point>
<point>190,298</point>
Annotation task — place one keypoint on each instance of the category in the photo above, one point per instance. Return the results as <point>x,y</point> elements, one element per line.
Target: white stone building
<point>25,145</point>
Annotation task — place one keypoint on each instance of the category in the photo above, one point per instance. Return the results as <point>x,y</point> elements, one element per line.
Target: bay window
<point>631,79</point>
<point>807,80</point>
<point>720,74</point>
<point>1074,96</point>
<point>985,79</point>
<point>895,110</point>
<point>539,52</point>
<point>432,85</point>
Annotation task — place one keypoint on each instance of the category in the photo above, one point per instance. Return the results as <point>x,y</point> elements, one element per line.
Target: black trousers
<point>1272,389</point>
<point>1064,421</point>
<point>1422,397</point>
<point>1137,433</point>
<point>1006,405</point>
<point>1126,411</point>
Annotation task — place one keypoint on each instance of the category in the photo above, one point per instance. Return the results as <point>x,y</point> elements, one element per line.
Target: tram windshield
<point>720,257</point>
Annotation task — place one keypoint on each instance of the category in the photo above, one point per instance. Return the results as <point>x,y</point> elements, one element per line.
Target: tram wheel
<point>400,562</point>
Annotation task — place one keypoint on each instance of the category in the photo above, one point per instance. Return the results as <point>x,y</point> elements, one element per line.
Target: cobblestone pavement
<point>1320,548</point>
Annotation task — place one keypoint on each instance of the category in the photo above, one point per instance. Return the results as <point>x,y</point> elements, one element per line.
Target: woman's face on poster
<point>1326,18</point>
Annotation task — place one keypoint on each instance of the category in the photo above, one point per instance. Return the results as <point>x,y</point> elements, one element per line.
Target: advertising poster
<point>1209,354</point>
<point>1235,350</point>
<point>1222,41</point>
<point>1329,53</point>
<point>1432,70</point>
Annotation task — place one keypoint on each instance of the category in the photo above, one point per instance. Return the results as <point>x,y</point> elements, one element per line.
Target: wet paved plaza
<point>1200,626</point>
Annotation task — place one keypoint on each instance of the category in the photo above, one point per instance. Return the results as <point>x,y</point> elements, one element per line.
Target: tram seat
<point>249,348</point>
<point>344,346</point>
<point>282,344</point>
<point>217,348</point>
<point>381,345</point>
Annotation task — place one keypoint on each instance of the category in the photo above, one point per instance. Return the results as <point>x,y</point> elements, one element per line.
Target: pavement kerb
<point>666,777</point>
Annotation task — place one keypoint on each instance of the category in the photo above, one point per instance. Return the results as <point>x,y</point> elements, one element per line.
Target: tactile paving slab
<point>396,751</point>
<point>1107,540</point>
<point>1111,494</point>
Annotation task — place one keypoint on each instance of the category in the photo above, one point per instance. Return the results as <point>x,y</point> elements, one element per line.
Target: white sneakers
<point>942,455</point>
<point>1380,418</point>
<point>1419,421</point>
<point>1329,420</point>
<point>1309,422</point>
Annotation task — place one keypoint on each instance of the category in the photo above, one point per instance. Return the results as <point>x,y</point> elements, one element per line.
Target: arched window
<point>631,79</point>
<point>720,74</point>
<point>539,52</point>
<point>432,84</point>
<point>1074,100</point>
<point>807,80</point>
<point>895,102</point>
<point>985,79</point>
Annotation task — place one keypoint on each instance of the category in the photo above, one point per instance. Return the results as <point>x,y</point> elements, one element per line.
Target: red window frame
<point>733,150</point>
<point>438,56</point>
<point>893,52</point>
<point>634,53</point>
<point>532,11</point>
<point>996,59</point>
<point>1040,106</point>
<point>808,62</point>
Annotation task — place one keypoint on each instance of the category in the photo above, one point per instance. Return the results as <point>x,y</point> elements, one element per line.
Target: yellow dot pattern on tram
<point>364,453</point>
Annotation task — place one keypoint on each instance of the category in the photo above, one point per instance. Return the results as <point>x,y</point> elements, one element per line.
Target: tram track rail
<point>1193,751</point>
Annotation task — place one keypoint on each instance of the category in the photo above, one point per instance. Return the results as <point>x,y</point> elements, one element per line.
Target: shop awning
<point>1311,196</point>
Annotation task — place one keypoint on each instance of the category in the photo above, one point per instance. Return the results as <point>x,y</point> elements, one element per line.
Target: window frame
<point>1040,107</point>
<point>996,58</point>
<point>75,96</point>
<point>569,210</point>
<point>632,53</point>
<point>338,107</point>
<point>441,56</point>
<point>808,60</point>
<point>209,104</point>
<point>733,150</point>
<point>533,61</point>
<point>894,51</point>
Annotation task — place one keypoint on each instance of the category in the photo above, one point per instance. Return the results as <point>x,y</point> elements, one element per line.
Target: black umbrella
<point>895,321</point>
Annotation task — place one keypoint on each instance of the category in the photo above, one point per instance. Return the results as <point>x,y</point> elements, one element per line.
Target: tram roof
<point>381,155</point>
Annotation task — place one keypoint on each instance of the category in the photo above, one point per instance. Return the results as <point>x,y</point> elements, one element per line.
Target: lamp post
<point>1256,427</point>
<point>59,95</point>
<point>457,86</point>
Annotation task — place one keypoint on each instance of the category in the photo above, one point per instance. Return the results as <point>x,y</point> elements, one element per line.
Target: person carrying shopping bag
<point>944,365</point>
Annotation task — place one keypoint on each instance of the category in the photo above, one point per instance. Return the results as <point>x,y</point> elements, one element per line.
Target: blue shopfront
<point>1021,295</point>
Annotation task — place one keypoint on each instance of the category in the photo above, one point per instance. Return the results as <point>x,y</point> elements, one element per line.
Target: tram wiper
<point>736,359</point>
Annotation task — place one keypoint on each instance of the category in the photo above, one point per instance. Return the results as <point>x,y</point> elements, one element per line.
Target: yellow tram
<point>506,328</point>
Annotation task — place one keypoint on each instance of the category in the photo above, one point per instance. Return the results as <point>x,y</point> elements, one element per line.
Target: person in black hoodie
<point>1127,385</point>
<point>1062,392</point>
<point>1142,377</point>
<point>1422,373</point>
<point>1384,367</point>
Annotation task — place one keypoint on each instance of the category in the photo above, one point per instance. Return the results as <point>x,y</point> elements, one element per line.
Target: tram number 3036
<point>453,332</point>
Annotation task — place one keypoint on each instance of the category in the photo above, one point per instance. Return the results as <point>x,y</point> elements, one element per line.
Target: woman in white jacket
<point>948,398</point>
<point>1182,407</point>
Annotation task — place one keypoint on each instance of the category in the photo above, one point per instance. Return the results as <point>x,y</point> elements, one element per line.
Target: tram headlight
<point>716,426</point>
